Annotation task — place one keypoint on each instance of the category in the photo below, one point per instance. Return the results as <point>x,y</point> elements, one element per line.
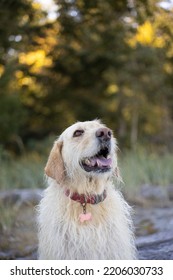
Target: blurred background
<point>68,60</point>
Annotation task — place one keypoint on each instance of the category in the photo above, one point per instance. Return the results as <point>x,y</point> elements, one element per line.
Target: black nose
<point>104,134</point>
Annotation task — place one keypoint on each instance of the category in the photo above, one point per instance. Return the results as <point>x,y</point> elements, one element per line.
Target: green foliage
<point>98,59</point>
<point>12,117</point>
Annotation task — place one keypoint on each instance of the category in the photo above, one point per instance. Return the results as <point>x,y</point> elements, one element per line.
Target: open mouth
<point>101,162</point>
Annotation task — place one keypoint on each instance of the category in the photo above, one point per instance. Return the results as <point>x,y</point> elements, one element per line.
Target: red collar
<point>89,198</point>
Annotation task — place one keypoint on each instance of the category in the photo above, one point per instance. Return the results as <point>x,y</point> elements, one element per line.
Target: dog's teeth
<point>87,161</point>
<point>108,156</point>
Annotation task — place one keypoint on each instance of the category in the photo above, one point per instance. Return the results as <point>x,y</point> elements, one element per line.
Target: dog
<point>82,215</point>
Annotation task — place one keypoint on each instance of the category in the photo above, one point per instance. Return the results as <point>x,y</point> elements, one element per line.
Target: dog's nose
<point>103,134</point>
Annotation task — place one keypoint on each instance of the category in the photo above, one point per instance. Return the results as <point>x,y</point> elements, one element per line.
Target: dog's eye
<point>78,133</point>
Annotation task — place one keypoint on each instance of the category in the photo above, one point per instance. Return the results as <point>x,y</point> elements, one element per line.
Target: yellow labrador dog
<point>82,215</point>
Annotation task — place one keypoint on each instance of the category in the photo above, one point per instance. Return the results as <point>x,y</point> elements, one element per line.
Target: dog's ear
<point>55,166</point>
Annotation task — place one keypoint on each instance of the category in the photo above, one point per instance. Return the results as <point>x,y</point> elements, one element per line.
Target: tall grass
<point>137,168</point>
<point>141,167</point>
<point>24,172</point>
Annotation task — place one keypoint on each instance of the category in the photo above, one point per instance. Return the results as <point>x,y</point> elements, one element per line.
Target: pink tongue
<point>101,161</point>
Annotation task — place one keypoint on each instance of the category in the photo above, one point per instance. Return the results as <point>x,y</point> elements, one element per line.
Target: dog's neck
<point>86,198</point>
<point>87,185</point>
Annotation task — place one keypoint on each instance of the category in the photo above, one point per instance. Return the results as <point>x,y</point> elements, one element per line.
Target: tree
<point>99,59</point>
<point>19,22</point>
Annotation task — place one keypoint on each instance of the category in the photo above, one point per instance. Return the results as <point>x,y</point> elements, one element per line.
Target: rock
<point>151,220</point>
<point>20,197</point>
<point>153,225</point>
<point>154,232</point>
<point>29,253</point>
<point>153,196</point>
<point>156,247</point>
<point>170,192</point>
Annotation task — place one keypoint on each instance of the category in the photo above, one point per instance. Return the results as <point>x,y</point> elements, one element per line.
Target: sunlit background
<point>68,60</point>
<point>63,61</point>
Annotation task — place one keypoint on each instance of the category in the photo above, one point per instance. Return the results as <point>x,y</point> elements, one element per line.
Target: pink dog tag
<point>85,217</point>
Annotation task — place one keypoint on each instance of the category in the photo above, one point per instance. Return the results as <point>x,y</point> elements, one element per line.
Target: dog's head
<point>83,149</point>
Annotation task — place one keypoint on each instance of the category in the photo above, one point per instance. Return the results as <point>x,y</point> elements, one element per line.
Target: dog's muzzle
<point>100,162</point>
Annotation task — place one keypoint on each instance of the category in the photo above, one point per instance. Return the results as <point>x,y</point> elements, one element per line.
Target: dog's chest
<point>105,235</point>
<point>88,240</point>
